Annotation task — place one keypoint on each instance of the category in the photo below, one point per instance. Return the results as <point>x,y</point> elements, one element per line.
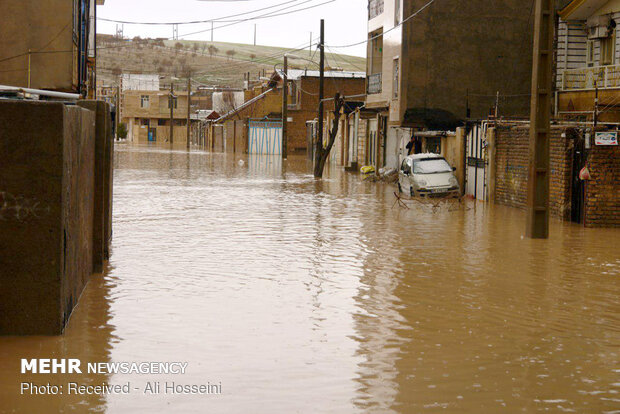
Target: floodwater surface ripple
<point>323,296</point>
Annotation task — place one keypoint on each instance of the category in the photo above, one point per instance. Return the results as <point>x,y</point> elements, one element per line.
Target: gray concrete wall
<point>46,207</point>
<point>104,143</point>
<point>460,46</point>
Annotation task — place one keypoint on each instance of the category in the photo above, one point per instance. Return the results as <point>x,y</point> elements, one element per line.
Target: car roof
<point>424,156</point>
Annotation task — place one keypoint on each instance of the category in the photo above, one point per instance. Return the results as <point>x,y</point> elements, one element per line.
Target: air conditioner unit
<point>599,27</point>
<point>598,32</point>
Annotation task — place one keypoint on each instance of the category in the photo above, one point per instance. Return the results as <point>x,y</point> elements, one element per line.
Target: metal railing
<point>603,77</point>
<point>374,83</point>
<point>375,8</point>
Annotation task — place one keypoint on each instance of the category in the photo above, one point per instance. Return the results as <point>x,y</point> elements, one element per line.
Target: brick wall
<point>602,204</point>
<point>512,163</point>
<point>309,104</point>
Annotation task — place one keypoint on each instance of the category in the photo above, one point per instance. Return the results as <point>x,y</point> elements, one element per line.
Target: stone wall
<point>602,203</point>
<point>47,153</point>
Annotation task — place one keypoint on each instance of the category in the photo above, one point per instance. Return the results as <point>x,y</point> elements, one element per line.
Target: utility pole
<point>319,140</point>
<point>540,121</point>
<point>171,101</point>
<point>29,66</point>
<point>310,46</point>
<point>189,106</point>
<point>595,119</point>
<point>255,35</point>
<point>285,109</point>
<point>211,32</point>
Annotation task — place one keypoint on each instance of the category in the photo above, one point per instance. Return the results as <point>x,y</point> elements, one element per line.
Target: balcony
<point>374,84</point>
<point>583,79</point>
<point>375,8</point>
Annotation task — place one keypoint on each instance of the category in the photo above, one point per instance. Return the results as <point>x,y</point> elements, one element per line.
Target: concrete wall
<point>47,153</point>
<point>102,192</point>
<point>39,26</point>
<point>459,47</point>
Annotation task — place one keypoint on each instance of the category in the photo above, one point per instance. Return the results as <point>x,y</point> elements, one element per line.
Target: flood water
<point>306,296</point>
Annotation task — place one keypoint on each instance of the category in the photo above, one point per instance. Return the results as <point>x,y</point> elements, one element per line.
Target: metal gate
<point>477,162</point>
<point>265,137</point>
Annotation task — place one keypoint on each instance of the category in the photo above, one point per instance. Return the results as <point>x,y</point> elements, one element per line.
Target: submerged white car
<point>427,175</point>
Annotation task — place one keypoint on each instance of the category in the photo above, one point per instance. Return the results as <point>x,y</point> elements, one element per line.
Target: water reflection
<point>89,336</point>
<point>304,295</point>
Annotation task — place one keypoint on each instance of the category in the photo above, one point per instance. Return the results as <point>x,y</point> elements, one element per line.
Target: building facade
<point>147,116</point>
<point>49,45</point>
<point>588,59</point>
<point>433,66</point>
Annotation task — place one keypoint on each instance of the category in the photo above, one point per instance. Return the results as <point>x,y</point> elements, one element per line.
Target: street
<point>302,295</point>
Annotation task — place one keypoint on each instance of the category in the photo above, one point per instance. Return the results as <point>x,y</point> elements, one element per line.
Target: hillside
<point>211,63</point>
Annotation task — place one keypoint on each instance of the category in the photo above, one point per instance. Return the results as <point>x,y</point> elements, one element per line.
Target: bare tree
<point>252,56</point>
<point>230,53</point>
<point>213,50</point>
<point>203,47</point>
<point>322,153</point>
<point>195,47</point>
<point>178,46</point>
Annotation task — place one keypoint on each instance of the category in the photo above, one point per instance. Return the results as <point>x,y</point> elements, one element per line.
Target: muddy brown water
<point>305,296</point>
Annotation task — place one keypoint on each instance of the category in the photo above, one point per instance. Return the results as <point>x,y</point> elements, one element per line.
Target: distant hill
<point>211,63</point>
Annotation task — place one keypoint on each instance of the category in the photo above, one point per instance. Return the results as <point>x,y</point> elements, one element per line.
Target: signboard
<point>606,138</point>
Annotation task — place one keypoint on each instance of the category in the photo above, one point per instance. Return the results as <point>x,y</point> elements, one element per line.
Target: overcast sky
<point>345,20</point>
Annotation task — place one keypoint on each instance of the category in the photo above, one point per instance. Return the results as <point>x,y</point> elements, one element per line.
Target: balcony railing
<point>374,83</point>
<point>602,77</point>
<point>375,8</point>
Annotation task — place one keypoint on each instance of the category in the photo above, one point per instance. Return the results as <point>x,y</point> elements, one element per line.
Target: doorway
<point>578,185</point>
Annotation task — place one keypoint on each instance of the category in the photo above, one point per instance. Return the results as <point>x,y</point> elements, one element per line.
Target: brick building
<point>595,203</point>
<point>303,99</point>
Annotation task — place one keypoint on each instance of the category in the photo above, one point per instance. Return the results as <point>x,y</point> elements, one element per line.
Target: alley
<point>322,296</point>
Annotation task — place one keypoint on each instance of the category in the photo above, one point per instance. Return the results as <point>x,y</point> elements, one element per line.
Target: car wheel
<point>400,189</point>
<point>411,192</point>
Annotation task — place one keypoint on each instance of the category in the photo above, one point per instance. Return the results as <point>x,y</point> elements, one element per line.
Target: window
<point>292,94</point>
<point>175,103</point>
<point>144,121</point>
<point>406,166</point>
<point>590,53</point>
<point>431,166</point>
<point>375,8</point>
<point>396,78</point>
<point>144,101</point>
<point>162,122</point>
<point>608,49</point>
<point>396,12</point>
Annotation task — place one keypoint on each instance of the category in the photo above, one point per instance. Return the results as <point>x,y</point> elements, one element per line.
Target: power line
<point>388,31</point>
<point>196,21</point>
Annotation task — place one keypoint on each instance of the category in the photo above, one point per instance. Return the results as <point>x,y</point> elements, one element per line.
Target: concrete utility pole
<point>595,117</point>
<point>319,140</point>
<point>254,35</point>
<point>540,121</point>
<point>285,109</point>
<point>29,66</point>
<point>189,106</point>
<point>211,32</point>
<point>171,112</point>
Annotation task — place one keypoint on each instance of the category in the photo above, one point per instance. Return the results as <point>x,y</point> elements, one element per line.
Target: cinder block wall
<point>512,163</point>
<point>46,206</point>
<point>602,202</point>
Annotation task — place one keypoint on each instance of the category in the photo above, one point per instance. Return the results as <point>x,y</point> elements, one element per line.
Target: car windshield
<point>431,166</point>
